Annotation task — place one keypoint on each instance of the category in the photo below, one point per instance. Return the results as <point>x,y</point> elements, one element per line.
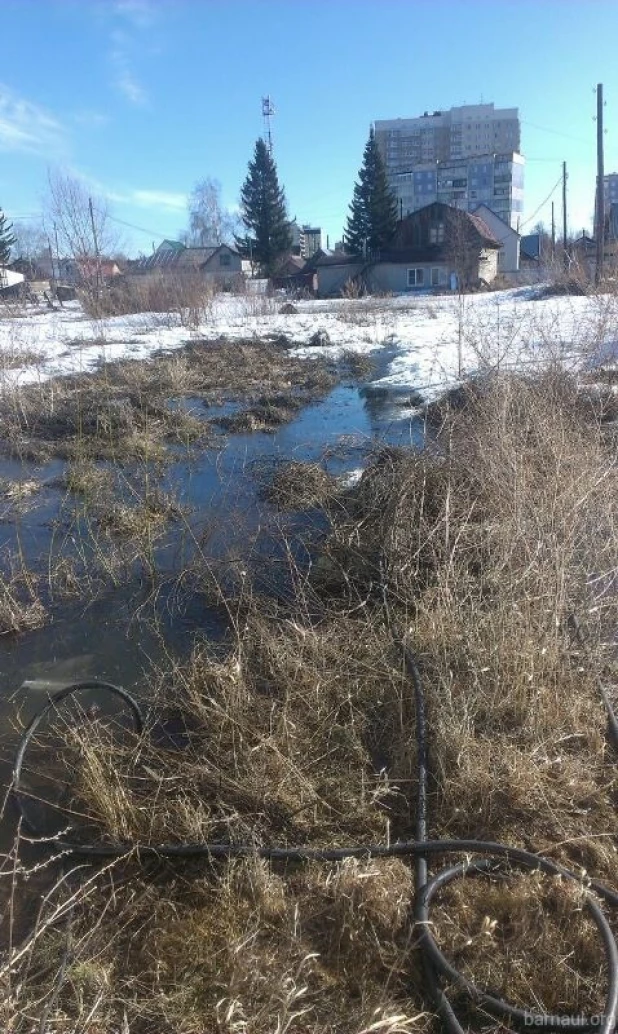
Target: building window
<point>416,277</point>
<point>435,277</point>
<point>436,233</point>
<point>225,259</point>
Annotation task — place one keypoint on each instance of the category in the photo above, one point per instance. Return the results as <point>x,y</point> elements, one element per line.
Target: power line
<point>543,203</point>
<point>556,132</point>
<point>132,226</point>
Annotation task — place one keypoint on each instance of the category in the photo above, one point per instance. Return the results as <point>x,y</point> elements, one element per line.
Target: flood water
<point>114,638</point>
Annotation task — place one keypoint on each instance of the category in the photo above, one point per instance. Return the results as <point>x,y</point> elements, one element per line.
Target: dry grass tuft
<point>360,366</point>
<point>21,606</point>
<point>148,515</point>
<point>488,928</point>
<point>269,413</point>
<point>85,478</point>
<point>19,611</point>
<point>297,485</point>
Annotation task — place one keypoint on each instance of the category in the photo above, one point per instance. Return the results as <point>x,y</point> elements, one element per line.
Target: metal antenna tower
<point>268,110</point>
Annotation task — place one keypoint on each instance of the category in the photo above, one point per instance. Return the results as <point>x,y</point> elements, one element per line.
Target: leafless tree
<point>31,242</point>
<point>209,222</point>
<point>81,234</point>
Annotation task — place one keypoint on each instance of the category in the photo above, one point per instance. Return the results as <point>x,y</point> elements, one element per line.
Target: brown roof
<point>481,227</point>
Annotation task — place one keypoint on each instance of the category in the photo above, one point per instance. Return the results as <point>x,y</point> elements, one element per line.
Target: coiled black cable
<point>495,858</point>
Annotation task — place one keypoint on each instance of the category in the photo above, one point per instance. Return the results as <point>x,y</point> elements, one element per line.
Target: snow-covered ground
<point>420,343</point>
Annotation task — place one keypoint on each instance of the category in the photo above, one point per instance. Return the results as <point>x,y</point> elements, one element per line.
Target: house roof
<point>335,258</point>
<point>483,229</point>
<point>486,208</point>
<point>8,277</point>
<point>289,265</point>
<point>193,258</point>
<point>474,221</point>
<point>168,245</point>
<point>215,251</point>
<point>31,268</point>
<point>178,257</point>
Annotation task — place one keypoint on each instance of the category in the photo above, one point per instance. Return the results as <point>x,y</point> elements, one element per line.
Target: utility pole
<point>565,253</point>
<point>600,228</point>
<point>96,245</point>
<point>57,258</point>
<point>57,250</point>
<point>51,261</point>
<point>400,208</point>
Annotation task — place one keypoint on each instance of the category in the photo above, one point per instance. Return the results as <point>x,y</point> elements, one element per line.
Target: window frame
<point>418,282</point>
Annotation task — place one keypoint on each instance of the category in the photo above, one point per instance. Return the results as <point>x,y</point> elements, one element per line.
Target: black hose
<point>496,858</point>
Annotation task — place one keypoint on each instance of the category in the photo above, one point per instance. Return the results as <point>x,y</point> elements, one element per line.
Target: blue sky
<point>142,98</point>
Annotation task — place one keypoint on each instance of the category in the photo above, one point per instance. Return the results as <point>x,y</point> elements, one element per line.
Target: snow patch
<point>427,344</point>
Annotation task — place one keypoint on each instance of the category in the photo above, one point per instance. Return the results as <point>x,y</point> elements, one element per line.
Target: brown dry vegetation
<point>295,485</point>
<point>123,411</point>
<point>186,297</point>
<point>304,732</point>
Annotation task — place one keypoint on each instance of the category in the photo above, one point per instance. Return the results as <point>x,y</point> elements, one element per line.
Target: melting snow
<point>423,344</point>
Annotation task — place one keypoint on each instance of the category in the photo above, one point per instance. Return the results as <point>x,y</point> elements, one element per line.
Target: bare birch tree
<point>210,223</point>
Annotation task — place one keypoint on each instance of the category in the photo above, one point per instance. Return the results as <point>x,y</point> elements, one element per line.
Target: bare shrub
<point>186,297</point>
<point>250,305</point>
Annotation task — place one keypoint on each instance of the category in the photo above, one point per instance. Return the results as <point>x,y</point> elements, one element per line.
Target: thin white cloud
<point>171,200</point>
<point>25,126</point>
<point>90,118</point>
<point>124,78</point>
<point>127,84</point>
<point>133,19</point>
<point>160,199</point>
<point>140,13</point>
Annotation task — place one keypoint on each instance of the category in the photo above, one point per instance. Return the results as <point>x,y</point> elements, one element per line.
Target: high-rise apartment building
<point>465,156</point>
<point>306,240</point>
<point>610,189</point>
<point>495,180</point>
<point>310,240</point>
<point>442,135</point>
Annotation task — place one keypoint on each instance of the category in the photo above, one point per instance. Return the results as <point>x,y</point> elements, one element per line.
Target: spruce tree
<point>7,240</point>
<point>263,212</point>
<point>373,211</point>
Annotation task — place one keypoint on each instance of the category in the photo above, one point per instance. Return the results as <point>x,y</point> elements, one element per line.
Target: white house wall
<point>508,260</point>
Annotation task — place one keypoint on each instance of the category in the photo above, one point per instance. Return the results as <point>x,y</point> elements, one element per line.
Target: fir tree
<point>7,240</point>
<point>373,211</point>
<point>263,212</point>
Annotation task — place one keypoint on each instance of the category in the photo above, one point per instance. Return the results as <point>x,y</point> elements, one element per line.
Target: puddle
<point>111,639</point>
<point>195,406</point>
